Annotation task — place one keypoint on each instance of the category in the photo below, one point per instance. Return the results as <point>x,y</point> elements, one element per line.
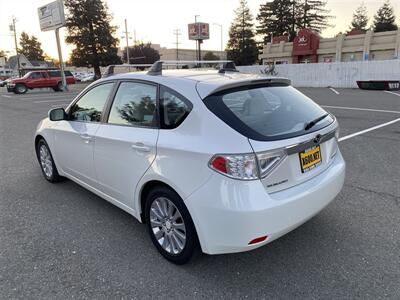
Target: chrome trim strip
<point>308,144</point>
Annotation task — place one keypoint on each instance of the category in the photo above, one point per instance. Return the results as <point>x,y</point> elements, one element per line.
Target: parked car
<point>224,161</point>
<point>89,77</point>
<point>39,79</point>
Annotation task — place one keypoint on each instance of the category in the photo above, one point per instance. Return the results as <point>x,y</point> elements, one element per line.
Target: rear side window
<point>58,73</point>
<point>174,108</point>
<point>265,112</point>
<point>134,104</point>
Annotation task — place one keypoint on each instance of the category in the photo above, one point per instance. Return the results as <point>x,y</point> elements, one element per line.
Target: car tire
<point>59,87</point>
<point>46,162</point>
<point>20,89</point>
<point>170,227</point>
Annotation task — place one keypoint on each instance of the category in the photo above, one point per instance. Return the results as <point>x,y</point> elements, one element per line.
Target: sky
<point>155,20</point>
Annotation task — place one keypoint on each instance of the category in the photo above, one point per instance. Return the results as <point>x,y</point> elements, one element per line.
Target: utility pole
<point>13,28</point>
<point>177,34</point>
<point>127,41</point>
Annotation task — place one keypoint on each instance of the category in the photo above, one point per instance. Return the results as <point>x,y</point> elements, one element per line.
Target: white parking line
<point>6,96</point>
<point>362,109</point>
<point>393,93</point>
<point>335,91</point>
<point>45,101</point>
<point>368,130</point>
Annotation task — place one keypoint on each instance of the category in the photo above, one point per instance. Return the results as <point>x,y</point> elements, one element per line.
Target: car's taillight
<point>268,161</point>
<point>335,143</point>
<point>242,166</point>
<point>247,166</point>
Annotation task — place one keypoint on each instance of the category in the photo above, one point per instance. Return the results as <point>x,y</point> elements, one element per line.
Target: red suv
<point>39,79</point>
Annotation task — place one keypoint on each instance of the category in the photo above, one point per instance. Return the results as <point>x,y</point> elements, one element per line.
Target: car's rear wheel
<point>170,226</point>
<point>46,162</point>
<point>59,87</point>
<point>20,89</point>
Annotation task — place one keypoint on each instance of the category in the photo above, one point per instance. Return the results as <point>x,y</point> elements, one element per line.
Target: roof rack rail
<point>125,68</point>
<point>224,65</point>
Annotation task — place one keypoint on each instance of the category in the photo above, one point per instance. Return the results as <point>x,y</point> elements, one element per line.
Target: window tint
<point>58,73</point>
<point>134,104</point>
<point>267,112</point>
<point>36,75</point>
<point>174,108</point>
<point>90,107</point>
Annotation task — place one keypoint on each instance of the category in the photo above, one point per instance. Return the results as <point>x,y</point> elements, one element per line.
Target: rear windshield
<point>267,112</point>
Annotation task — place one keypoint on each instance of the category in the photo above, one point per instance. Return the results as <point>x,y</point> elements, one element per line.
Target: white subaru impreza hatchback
<point>217,160</point>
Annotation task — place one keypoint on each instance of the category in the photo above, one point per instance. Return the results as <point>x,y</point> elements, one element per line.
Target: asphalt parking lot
<point>61,241</point>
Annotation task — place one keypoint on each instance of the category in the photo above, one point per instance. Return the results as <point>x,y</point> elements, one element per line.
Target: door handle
<point>87,138</point>
<point>139,146</point>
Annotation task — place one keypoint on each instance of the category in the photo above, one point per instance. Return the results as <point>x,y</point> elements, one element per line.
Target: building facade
<point>309,47</point>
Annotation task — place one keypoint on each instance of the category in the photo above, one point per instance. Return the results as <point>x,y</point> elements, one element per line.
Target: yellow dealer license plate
<point>310,159</point>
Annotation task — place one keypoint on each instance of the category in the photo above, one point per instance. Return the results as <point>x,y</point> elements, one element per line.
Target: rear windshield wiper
<point>313,122</point>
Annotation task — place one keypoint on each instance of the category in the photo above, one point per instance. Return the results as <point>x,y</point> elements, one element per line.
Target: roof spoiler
<point>223,65</point>
<point>267,81</point>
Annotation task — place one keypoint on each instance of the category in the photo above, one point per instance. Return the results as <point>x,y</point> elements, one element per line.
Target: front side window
<point>90,106</point>
<point>267,112</point>
<point>134,104</point>
<point>174,108</point>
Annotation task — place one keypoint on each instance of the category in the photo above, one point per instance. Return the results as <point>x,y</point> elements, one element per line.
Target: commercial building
<point>309,47</point>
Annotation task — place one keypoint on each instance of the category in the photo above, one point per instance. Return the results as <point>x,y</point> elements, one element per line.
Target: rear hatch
<point>293,137</point>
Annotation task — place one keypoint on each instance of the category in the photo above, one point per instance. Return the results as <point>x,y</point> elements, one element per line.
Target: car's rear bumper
<point>228,213</point>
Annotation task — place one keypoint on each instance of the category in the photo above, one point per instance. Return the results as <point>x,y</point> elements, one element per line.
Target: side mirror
<point>57,114</point>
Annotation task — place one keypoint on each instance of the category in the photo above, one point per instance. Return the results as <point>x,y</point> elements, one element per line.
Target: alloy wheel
<point>167,225</point>
<point>46,161</point>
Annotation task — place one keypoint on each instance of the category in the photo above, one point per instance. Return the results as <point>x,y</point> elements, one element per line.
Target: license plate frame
<point>310,158</point>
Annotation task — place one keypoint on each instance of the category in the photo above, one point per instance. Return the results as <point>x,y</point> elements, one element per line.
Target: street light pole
<point>222,42</point>
<point>197,41</point>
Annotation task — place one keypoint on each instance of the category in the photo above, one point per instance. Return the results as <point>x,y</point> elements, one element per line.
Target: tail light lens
<point>335,143</point>
<point>268,161</point>
<point>247,166</point>
<point>242,166</point>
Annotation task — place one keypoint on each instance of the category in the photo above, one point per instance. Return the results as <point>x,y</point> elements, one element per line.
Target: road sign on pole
<point>52,17</point>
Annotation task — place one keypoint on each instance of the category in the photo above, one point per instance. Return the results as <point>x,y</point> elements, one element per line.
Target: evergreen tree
<point>278,17</point>
<point>384,19</point>
<point>142,54</point>
<point>30,47</point>
<point>360,18</point>
<point>210,56</point>
<point>242,47</point>
<point>313,15</point>
<point>89,29</point>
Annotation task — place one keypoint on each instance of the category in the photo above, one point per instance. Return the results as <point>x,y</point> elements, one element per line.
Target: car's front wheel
<point>20,89</point>
<point>46,162</point>
<point>170,226</point>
